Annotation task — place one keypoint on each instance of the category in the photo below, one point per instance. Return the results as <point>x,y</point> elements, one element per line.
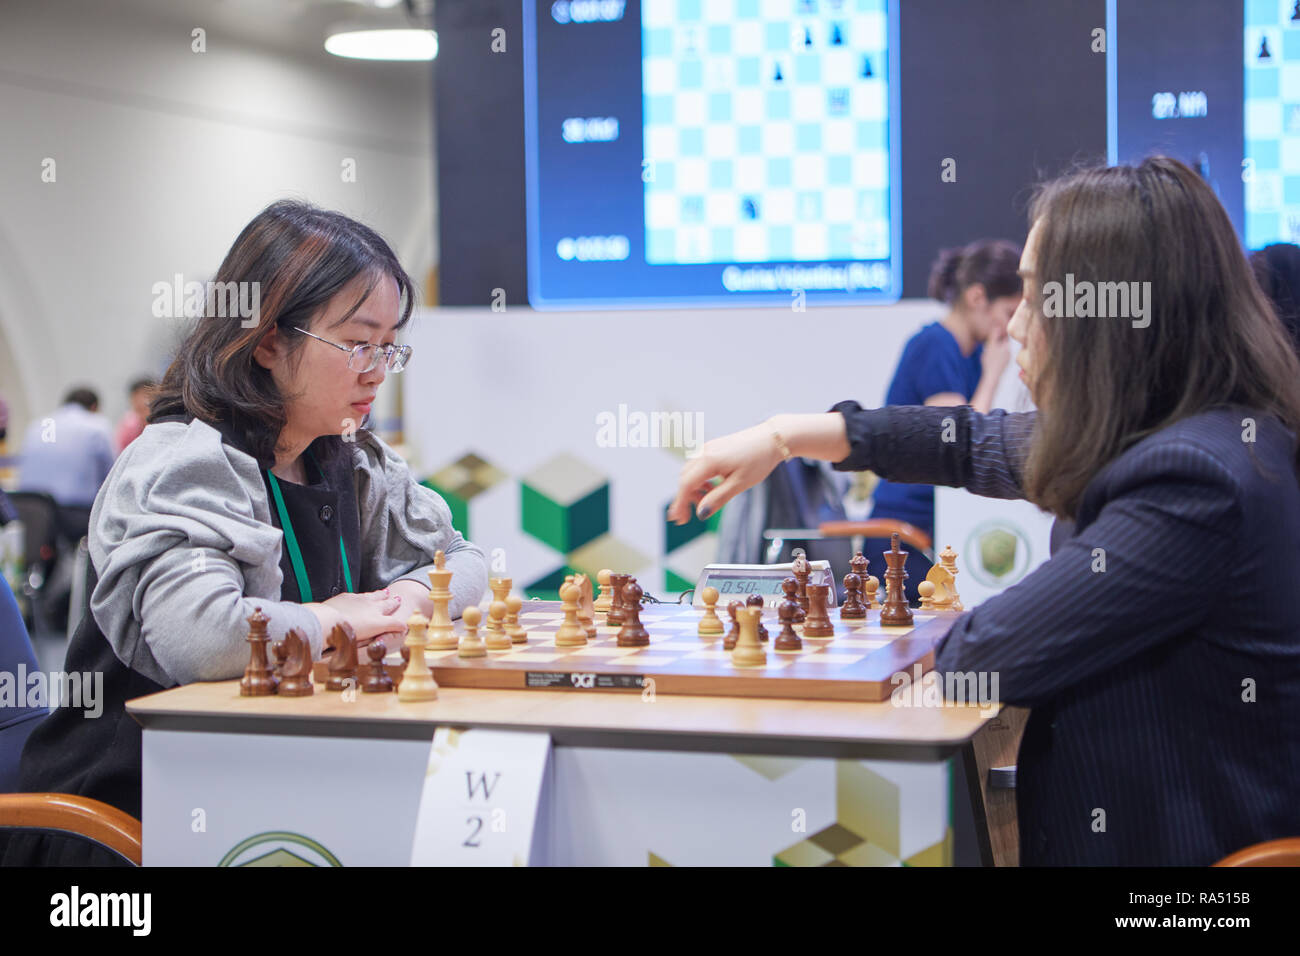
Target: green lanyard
<point>291,539</point>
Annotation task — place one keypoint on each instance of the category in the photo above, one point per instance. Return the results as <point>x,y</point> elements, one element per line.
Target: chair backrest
<point>101,834</point>
<point>800,495</point>
<point>39,514</point>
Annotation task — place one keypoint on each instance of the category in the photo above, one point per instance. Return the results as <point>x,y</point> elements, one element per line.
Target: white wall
<point>520,387</point>
<point>162,155</point>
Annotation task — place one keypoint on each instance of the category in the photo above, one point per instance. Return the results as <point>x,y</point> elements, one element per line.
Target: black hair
<point>299,256</point>
<point>1277,269</point>
<point>992,263</point>
<point>85,397</point>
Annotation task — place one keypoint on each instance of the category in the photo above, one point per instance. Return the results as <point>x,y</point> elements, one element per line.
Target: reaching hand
<point>725,467</point>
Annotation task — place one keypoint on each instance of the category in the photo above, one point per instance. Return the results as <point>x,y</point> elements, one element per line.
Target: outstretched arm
<point>942,446</point>
<point>985,454</point>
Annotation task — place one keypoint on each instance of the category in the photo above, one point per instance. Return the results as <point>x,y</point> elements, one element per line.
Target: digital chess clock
<point>736,582</point>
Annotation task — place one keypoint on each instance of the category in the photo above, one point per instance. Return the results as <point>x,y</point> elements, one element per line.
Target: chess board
<point>1272,122</point>
<point>766,130</point>
<point>857,663</point>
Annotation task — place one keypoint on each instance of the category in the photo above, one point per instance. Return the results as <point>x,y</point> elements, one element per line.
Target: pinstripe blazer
<point>1159,646</point>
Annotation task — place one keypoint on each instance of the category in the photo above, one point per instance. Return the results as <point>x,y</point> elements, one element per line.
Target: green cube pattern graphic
<point>565,503</point>
<point>460,482</point>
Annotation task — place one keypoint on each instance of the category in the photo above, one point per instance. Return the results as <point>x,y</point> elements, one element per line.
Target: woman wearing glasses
<point>255,485</point>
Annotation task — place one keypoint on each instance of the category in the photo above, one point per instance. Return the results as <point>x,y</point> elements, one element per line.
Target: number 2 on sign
<point>472,840</point>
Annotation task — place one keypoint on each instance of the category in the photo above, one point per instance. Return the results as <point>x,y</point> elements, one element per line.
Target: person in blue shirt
<point>957,360</point>
<point>68,454</point>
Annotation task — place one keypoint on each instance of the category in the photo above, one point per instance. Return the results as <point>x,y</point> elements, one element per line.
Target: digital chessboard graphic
<point>766,130</point>
<point>858,663</point>
<point>1272,120</point>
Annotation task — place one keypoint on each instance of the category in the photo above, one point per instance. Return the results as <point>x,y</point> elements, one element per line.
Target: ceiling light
<point>362,44</point>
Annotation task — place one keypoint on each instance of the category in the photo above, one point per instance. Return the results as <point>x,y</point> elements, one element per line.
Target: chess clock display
<point>680,152</point>
<point>736,582</point>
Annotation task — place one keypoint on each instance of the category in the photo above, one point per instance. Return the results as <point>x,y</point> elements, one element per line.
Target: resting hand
<point>372,614</point>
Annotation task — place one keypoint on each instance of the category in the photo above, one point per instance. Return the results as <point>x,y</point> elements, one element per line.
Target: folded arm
<point>194,616</point>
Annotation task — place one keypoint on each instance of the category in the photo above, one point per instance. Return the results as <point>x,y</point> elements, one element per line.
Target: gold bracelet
<point>780,442</point>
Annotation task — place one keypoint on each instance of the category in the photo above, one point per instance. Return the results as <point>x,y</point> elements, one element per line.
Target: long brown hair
<point>300,256</point>
<point>1212,338</point>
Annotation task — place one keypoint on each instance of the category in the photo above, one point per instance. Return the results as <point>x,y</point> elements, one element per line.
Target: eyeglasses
<point>364,358</point>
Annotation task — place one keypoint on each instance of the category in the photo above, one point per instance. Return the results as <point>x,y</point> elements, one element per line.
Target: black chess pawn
<point>852,609</point>
<point>791,589</point>
<point>756,600</point>
<point>837,36</point>
<point>614,617</point>
<point>807,39</point>
<point>866,68</point>
<point>1263,50</point>
<point>729,640</point>
<point>632,633</point>
<point>777,75</point>
<point>1295,11</point>
<point>788,639</point>
<point>376,680</point>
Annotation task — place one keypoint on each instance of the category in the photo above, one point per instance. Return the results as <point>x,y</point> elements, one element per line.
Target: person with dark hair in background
<point>254,487</point>
<point>1277,269</point>
<point>132,423</point>
<point>1159,646</point>
<point>957,360</point>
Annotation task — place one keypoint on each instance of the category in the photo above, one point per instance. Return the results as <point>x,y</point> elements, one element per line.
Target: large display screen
<point>711,152</point>
<point>1272,128</point>
<point>1175,87</point>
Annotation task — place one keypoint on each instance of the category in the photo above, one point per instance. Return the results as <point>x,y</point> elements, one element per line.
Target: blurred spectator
<point>133,422</point>
<point>68,454</point>
<point>1277,268</point>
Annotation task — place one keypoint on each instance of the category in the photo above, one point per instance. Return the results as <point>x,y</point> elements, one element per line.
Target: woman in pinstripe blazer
<point>1159,646</point>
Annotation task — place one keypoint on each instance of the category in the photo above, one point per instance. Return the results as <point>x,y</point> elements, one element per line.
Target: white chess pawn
<point>497,638</point>
<point>470,644</point>
<point>710,623</point>
<point>417,680</point>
